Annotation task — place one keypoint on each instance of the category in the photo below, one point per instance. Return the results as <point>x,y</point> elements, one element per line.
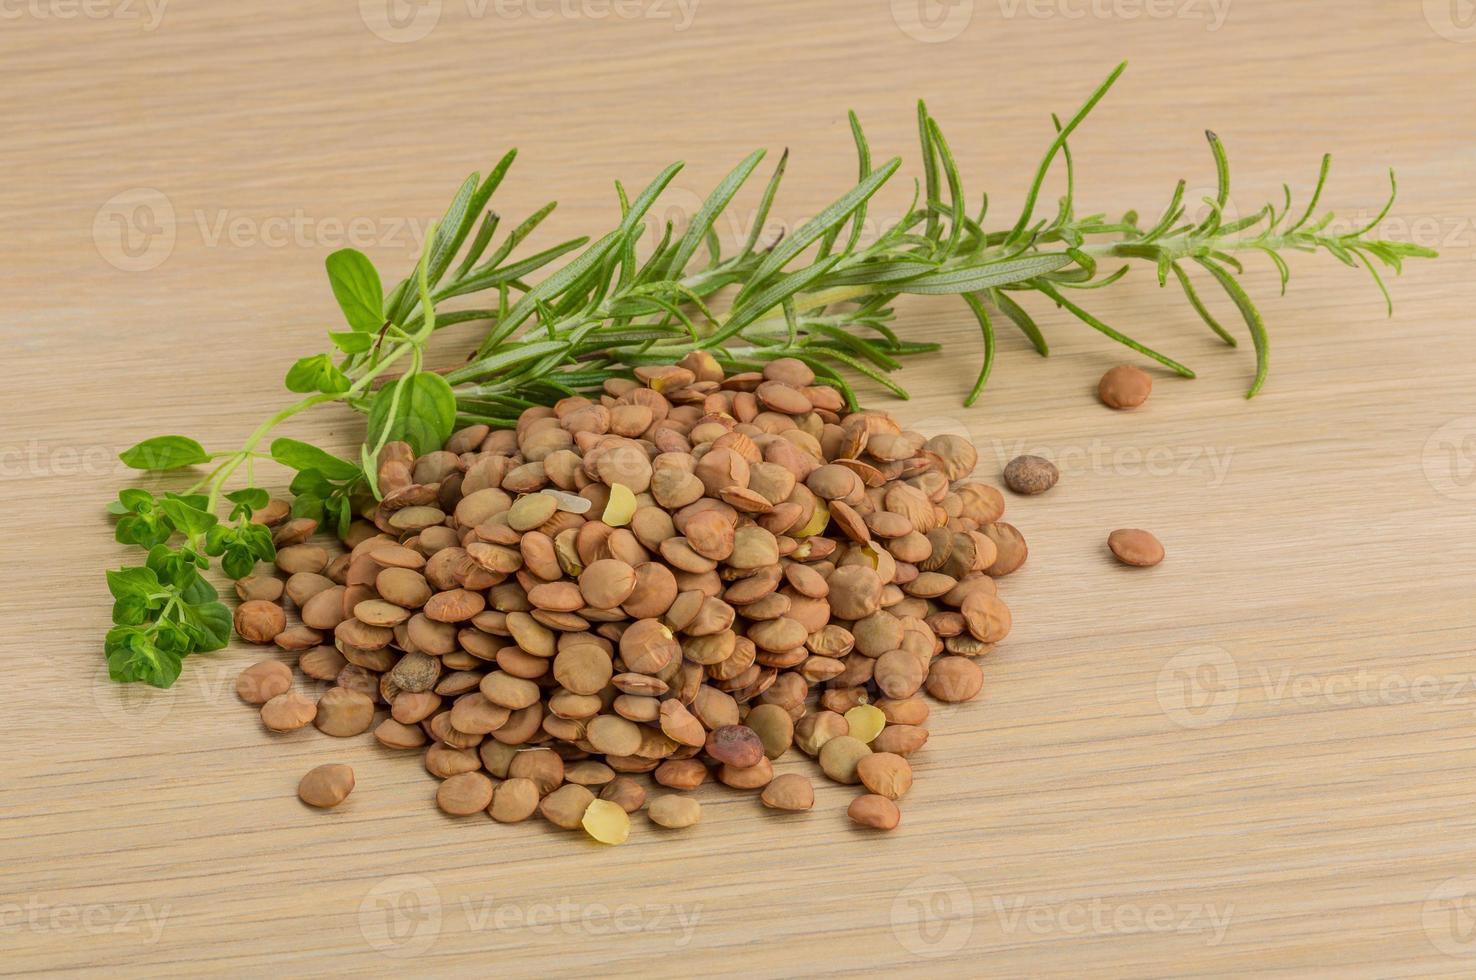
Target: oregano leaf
<point>164,453</point>
<point>303,456</point>
<point>357,288</point>
<point>423,414</point>
<point>317,373</point>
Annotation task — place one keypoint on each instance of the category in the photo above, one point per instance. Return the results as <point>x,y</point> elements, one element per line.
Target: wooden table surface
<point>1257,757</point>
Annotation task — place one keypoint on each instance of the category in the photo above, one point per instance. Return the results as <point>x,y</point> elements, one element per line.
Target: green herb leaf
<point>423,414</point>
<point>140,521</point>
<point>317,373</point>
<point>133,656</point>
<point>240,547</point>
<point>303,456</point>
<point>209,624</point>
<point>971,279</point>
<point>702,221</point>
<point>164,453</point>
<point>189,519</point>
<point>136,592</point>
<point>351,342</point>
<point>357,288</point>
<point>309,505</point>
<point>248,501</point>
<point>811,231</point>
<point>178,567</point>
<point>163,611</point>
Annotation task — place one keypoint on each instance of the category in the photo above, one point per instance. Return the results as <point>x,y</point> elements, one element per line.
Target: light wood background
<point>1257,757</point>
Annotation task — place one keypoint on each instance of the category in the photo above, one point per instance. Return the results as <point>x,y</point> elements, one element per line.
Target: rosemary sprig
<point>822,296</point>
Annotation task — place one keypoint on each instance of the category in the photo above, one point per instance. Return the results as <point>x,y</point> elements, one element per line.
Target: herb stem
<point>223,472</point>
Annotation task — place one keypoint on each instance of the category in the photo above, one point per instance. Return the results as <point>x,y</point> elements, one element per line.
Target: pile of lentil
<point>686,577</point>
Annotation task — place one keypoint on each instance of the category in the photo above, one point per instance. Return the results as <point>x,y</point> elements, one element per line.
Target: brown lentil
<point>343,712</point>
<point>514,800</point>
<point>565,806</point>
<point>288,712</point>
<point>259,621</point>
<point>1135,547</point>
<point>628,793</point>
<point>885,774</point>
<point>674,812</point>
<point>840,756</point>
<point>1030,475</point>
<point>790,791</point>
<point>263,681</point>
<point>327,785</point>
<point>876,812</point>
<point>735,745</point>
<point>464,794</point>
<point>1125,386</point>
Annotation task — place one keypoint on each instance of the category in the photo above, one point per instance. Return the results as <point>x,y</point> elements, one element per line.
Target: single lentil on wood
<point>1125,386</point>
<point>1137,547</point>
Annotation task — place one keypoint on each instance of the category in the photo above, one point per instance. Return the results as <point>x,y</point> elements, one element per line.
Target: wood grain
<point>1257,757</point>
